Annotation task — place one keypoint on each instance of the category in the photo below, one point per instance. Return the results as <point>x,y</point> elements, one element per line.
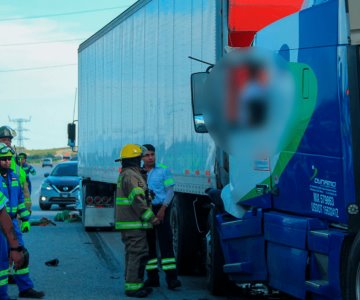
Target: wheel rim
<point>357,283</point>
<point>208,255</point>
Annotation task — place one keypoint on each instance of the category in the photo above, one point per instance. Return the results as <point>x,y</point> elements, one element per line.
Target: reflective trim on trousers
<point>152,264</point>
<point>168,263</point>
<point>133,286</point>
<point>168,260</point>
<point>151,267</point>
<point>22,271</point>
<point>4,282</point>
<point>152,261</point>
<point>169,267</point>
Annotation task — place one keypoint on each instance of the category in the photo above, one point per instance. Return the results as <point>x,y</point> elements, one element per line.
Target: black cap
<point>22,154</point>
<point>149,147</point>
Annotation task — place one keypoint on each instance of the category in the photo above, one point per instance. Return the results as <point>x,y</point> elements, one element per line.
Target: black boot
<point>153,279</point>
<point>141,293</point>
<point>173,284</point>
<point>31,293</point>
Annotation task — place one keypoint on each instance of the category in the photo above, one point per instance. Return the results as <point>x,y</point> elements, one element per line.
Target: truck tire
<point>186,239</point>
<point>217,281</point>
<point>352,288</point>
<point>83,197</point>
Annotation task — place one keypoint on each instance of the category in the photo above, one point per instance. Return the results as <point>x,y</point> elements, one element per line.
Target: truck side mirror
<point>71,129</point>
<point>198,100</point>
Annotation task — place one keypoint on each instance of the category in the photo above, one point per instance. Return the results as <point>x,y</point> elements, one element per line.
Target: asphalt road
<point>91,265</point>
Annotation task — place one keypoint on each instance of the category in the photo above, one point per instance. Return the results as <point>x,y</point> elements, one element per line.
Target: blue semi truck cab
<point>286,111</point>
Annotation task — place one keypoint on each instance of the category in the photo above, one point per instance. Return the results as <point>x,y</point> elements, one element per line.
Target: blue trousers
<point>22,277</point>
<point>4,267</point>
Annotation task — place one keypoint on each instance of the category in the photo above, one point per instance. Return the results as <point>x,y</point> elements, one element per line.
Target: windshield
<point>65,170</point>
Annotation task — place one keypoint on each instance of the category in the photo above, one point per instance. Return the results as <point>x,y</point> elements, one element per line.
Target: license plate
<point>65,195</point>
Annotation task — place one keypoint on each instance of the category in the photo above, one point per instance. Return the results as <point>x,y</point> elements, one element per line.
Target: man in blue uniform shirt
<point>29,169</point>
<point>160,181</point>
<point>10,187</point>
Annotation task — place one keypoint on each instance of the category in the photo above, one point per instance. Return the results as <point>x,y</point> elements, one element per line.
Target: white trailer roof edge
<point>110,26</point>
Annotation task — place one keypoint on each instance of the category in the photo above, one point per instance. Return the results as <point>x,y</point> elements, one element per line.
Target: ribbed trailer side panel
<point>134,87</point>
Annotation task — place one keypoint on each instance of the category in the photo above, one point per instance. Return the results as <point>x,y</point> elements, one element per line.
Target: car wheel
<point>45,206</point>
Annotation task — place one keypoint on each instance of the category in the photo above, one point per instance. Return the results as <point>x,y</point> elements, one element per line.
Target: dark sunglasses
<point>5,158</point>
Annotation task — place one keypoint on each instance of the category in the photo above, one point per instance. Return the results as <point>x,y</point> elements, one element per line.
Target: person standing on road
<point>133,218</point>
<point>6,136</point>
<point>29,169</point>
<point>11,189</point>
<point>8,238</point>
<point>161,182</point>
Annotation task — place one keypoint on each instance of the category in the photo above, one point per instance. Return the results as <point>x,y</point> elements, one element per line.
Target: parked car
<point>47,162</point>
<point>61,186</point>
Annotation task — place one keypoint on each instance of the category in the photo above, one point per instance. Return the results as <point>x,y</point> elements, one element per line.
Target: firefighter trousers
<point>136,256</point>
<point>163,235</point>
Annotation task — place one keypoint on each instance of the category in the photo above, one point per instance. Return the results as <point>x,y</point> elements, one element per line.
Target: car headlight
<point>47,187</point>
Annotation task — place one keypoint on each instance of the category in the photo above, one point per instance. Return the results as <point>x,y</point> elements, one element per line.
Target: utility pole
<point>20,130</point>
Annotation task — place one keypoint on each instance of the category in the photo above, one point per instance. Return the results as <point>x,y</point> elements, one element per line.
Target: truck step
<point>318,241</point>
<point>242,267</point>
<point>320,287</point>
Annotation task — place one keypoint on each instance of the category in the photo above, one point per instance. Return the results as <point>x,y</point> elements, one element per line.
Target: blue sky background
<point>38,62</point>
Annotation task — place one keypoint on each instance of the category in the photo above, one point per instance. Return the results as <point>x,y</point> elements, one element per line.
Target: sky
<point>38,63</point>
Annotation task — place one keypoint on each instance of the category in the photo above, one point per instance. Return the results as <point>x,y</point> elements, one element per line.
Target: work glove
<point>25,226</point>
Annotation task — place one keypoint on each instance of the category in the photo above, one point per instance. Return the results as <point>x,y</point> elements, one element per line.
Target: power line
<point>41,42</point>
<point>63,14</point>
<point>37,68</point>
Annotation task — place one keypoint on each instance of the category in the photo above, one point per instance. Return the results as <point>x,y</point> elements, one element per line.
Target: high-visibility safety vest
<point>22,177</point>
<point>10,188</point>
<point>132,210</point>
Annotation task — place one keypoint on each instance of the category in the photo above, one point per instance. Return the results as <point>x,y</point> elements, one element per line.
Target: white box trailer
<point>134,87</point>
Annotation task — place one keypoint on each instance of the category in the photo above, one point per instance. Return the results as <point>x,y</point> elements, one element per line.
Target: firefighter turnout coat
<point>132,209</point>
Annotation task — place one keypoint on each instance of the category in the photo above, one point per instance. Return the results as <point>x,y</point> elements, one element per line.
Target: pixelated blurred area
<point>250,96</point>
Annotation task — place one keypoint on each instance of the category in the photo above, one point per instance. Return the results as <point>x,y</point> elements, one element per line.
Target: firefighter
<point>29,169</point>
<point>6,136</point>
<point>10,187</point>
<point>133,218</point>
<point>161,182</point>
